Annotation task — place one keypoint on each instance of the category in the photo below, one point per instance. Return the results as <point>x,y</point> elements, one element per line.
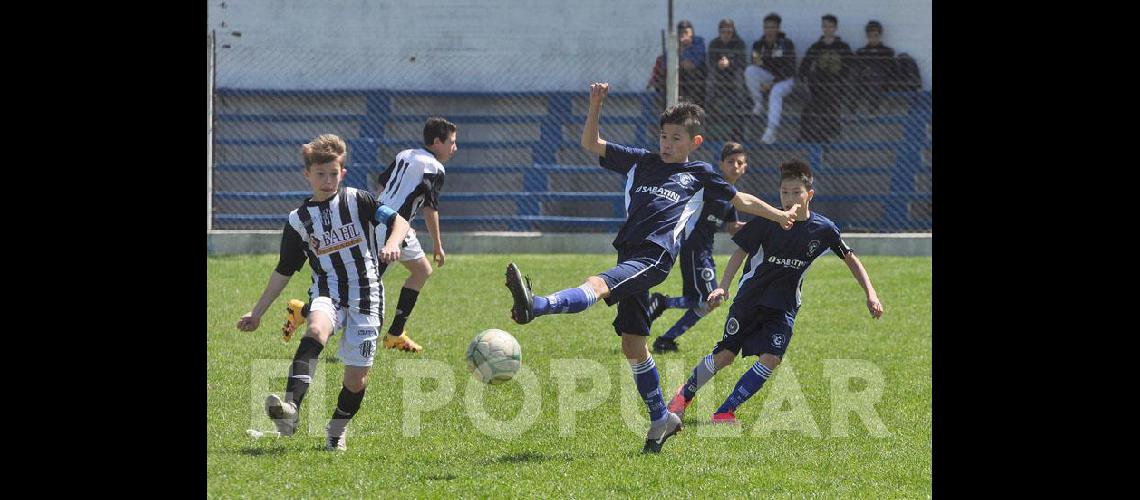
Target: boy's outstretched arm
<point>252,319</point>
<point>591,141</point>
<point>396,233</point>
<point>755,206</point>
<point>717,296</point>
<point>864,280</point>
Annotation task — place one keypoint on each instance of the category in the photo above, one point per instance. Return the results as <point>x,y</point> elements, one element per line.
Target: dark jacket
<point>827,64</point>
<point>875,64</point>
<point>779,58</point>
<point>733,50</point>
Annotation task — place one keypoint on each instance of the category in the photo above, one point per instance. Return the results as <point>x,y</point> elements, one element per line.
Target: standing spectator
<point>726,71</point>
<point>772,72</point>
<point>825,67</point>
<point>691,63</point>
<point>691,68</point>
<point>874,64</point>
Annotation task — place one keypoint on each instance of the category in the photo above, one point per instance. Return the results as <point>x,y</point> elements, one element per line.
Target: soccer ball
<point>494,356</point>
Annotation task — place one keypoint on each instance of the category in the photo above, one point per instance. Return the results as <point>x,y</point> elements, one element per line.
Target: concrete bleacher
<point>519,166</point>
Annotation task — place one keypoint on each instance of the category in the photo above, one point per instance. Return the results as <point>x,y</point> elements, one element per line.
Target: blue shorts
<point>698,273</point>
<point>638,269</point>
<point>757,330</point>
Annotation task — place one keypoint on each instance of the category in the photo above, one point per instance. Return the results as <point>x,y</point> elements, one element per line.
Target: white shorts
<point>358,346</point>
<point>412,249</point>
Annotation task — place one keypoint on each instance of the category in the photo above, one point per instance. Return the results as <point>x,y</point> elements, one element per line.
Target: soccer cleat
<point>664,344</point>
<point>659,434</point>
<point>656,305</point>
<point>523,309</point>
<point>402,342</point>
<point>678,404</point>
<point>293,319</point>
<point>335,442</point>
<point>723,418</point>
<point>283,414</point>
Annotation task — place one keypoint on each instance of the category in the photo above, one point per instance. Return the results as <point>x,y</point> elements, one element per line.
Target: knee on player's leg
<point>770,360</point>
<point>356,378</point>
<point>601,289</point>
<point>723,358</point>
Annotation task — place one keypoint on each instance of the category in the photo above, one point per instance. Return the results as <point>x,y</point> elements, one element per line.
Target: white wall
<point>504,45</point>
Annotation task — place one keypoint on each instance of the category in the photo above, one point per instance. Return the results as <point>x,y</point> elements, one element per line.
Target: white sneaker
<point>283,414</point>
<point>659,433</point>
<point>335,442</point>
<point>769,136</point>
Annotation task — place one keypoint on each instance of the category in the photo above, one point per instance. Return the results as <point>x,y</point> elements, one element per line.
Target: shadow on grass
<point>441,477</point>
<point>256,452</point>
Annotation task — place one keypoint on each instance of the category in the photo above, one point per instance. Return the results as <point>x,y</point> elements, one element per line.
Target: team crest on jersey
<point>708,274</point>
<point>335,239</point>
<point>732,326</point>
<point>812,247</point>
<point>778,340</point>
<point>684,179</point>
<point>326,217</point>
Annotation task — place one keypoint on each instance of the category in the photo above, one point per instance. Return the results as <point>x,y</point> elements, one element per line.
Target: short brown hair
<point>437,128</point>
<point>686,114</point>
<point>796,169</point>
<point>323,149</point>
<point>731,148</point>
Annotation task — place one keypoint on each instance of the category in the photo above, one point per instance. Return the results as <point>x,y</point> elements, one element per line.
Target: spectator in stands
<point>874,66</point>
<point>691,68</point>
<point>726,71</point>
<point>825,68</point>
<point>772,72</point>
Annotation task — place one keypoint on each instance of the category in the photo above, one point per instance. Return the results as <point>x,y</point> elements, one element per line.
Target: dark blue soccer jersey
<point>662,200</point>
<point>777,259</point>
<point>714,216</point>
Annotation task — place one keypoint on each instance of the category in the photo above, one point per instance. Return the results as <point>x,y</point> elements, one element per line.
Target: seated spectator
<point>772,72</point>
<point>691,68</point>
<point>726,93</point>
<point>825,69</point>
<point>875,66</point>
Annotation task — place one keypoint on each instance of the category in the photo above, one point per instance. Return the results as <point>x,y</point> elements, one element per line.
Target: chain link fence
<point>519,166</point>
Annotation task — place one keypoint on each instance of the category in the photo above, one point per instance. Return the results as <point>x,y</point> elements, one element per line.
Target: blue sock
<point>749,384</point>
<point>684,324</point>
<point>570,300</point>
<point>649,386</point>
<point>678,302</point>
<point>702,373</point>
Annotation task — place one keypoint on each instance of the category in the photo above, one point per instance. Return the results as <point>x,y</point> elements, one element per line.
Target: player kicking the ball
<point>333,232</point>
<point>664,192</point>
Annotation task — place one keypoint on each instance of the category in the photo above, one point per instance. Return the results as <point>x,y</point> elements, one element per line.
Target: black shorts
<point>638,269</point>
<point>698,273</point>
<point>757,330</point>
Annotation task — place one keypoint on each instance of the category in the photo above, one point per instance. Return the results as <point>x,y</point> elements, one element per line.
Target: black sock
<point>305,310</point>
<point>301,373</point>
<point>403,308</point>
<point>346,406</point>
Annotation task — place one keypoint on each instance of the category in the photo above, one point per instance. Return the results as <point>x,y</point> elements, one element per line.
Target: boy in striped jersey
<point>412,181</point>
<point>761,317</point>
<point>334,231</point>
<point>664,192</point>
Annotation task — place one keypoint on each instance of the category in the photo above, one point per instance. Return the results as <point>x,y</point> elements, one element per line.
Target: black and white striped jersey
<point>412,180</point>
<point>338,237</point>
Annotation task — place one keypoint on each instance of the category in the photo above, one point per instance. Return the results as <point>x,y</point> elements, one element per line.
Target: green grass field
<point>798,448</point>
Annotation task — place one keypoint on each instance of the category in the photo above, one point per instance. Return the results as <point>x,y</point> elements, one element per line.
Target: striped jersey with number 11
<point>412,180</point>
